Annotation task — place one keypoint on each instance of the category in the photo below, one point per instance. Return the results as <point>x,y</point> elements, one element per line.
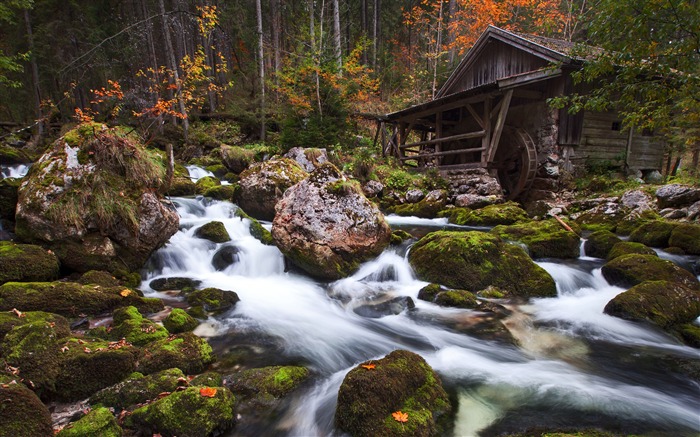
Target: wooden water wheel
<point>515,161</point>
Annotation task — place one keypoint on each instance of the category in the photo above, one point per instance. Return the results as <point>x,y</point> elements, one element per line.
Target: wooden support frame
<point>500,123</point>
<point>477,134</point>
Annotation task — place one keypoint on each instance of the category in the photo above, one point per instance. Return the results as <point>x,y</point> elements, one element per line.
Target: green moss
<point>256,229</point>
<point>634,220</point>
<point>429,292</point>
<point>99,421</point>
<point>26,263</point>
<point>208,379</point>
<point>22,414</point>
<point>629,248</point>
<point>182,186</point>
<point>138,389</point>
<point>268,383</point>
<point>222,192</point>
<point>213,300</point>
<point>205,183</point>
<point>99,277</point>
<point>179,321</point>
<point>654,233</point>
<point>219,169</point>
<point>214,231</point>
<point>186,413</point>
<point>457,299</point>
<point>687,237</point>
<point>11,155</point>
<point>599,244</point>
<point>476,260</point>
<point>544,239</point>
<point>500,214</point>
<point>630,270</point>
<point>689,333</point>
<point>425,208</point>
<point>596,220</point>
<point>399,236</point>
<point>129,324</point>
<point>185,351</point>
<point>8,198</point>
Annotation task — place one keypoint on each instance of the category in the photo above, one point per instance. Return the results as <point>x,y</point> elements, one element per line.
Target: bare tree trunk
<point>375,34</point>
<point>276,34</point>
<point>452,31</point>
<point>695,160</point>
<point>438,48</point>
<point>363,27</point>
<point>337,47</point>
<point>170,52</point>
<point>36,91</point>
<point>261,67</point>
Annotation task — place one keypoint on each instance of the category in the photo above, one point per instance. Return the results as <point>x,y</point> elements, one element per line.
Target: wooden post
<point>500,123</point>
<point>438,135</point>
<point>486,140</point>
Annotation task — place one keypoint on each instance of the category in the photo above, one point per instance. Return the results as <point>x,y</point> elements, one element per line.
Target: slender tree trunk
<point>363,27</point>
<point>337,47</point>
<point>452,31</point>
<point>170,53</point>
<point>438,48</point>
<point>375,34</point>
<point>36,90</point>
<point>261,68</point>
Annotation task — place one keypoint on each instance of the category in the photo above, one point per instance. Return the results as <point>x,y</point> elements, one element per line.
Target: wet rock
<point>260,390</point>
<point>214,231</point>
<point>399,236</point>
<point>186,413</point>
<point>634,199</point>
<point>225,257</point>
<point>634,219</point>
<point>98,421</point>
<point>208,379</point>
<point>98,277</point>
<point>677,195</point>
<point>71,299</point>
<point>327,227</point>
<point>130,325</point>
<point>427,207</point>
<point>628,248</point>
<point>654,233</point>
<point>401,381</point>
<point>373,188</point>
<point>501,214</point>
<point>389,307</point>
<point>674,214</point>
<point>9,189</point>
<point>179,321</point>
<point>206,183</point>
<point>186,351</point>
<point>83,233</point>
<point>22,414</point>
<point>222,192</point>
<point>429,292</point>
<point>475,201</point>
<point>256,229</point>
<point>414,196</point>
<point>237,158</point>
<point>457,299</point>
<point>264,184</point>
<point>476,260</point>
<point>687,237</point>
<point>26,263</point>
<point>213,300</point>
<point>599,244</point>
<point>663,303</point>
<point>138,389</point>
<point>694,211</point>
<point>174,283</point>
<point>309,159</point>
<point>544,239</point>
<point>629,270</point>
<point>602,217</point>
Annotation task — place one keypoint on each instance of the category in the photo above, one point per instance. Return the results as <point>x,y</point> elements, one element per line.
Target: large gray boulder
<point>93,199</point>
<point>327,227</point>
<point>263,184</point>
<point>676,195</point>
<point>309,159</point>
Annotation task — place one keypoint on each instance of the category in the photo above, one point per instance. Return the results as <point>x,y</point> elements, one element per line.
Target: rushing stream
<point>575,366</point>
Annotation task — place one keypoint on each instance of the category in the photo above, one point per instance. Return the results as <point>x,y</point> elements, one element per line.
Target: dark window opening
<point>616,126</point>
<point>646,132</point>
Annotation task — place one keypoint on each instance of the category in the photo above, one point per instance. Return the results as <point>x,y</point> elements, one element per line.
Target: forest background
<point>315,72</point>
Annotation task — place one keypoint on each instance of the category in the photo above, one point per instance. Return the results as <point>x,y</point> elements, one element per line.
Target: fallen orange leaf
<point>207,392</point>
<point>368,366</point>
<point>125,292</point>
<point>400,417</point>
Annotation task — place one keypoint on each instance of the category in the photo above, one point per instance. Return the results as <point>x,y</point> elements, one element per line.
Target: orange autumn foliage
<point>400,417</point>
<point>207,392</point>
<point>369,366</point>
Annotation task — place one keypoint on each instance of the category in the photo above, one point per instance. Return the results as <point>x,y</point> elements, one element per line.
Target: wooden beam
<point>500,123</point>
<point>486,140</point>
<point>475,115</point>
<point>438,131</point>
<point>445,153</point>
<point>528,94</point>
<point>468,135</point>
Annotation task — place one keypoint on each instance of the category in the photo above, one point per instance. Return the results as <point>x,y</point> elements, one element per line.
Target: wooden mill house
<point>492,113</point>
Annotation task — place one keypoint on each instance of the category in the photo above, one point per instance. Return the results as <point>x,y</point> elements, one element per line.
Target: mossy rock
<point>629,270</point>
<point>71,299</point>
<point>457,299</point>
<point>237,158</point>
<point>179,321</point>
<point>208,379</point>
<point>499,214</point>
<point>130,325</point>
<point>219,169</point>
<point>12,155</point>
<point>186,351</point>
<point>401,381</point>
<point>475,260</point>
<point>663,303</point>
<point>22,414</point>
<point>174,283</point>
<point>138,389</point>
<point>213,300</point>
<point>99,277</point>
<point>182,186</point>
<point>634,220</point>
<point>186,413</point>
<point>425,208</point>
<point>597,220</point>
<point>690,334</point>
<point>654,233</point>
<point>399,236</point>
<point>8,198</point>
<point>429,292</point>
<point>267,384</point>
<point>256,229</point>
<point>222,192</point>
<point>214,231</point>
<point>98,422</point>
<point>629,248</point>
<point>26,263</point>
<point>599,244</point>
<point>687,237</point>
<point>10,319</point>
<point>544,239</point>
<point>206,183</point>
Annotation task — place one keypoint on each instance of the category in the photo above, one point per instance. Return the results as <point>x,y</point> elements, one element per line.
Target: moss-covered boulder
<point>98,277</point>
<point>429,292</point>
<point>222,192</point>
<point>544,239</point>
<point>687,237</point>
<point>208,379</point>
<point>186,351</point>
<point>400,382</point>
<point>499,214</point>
<point>130,325</point>
<point>654,233</point>
<point>71,299</point>
<point>22,414</point>
<point>13,155</point>
<point>213,300</point>
<point>138,389</point>
<point>629,248</point>
<point>599,244</point>
<point>10,319</point>
<point>174,283</point>
<point>182,186</point>
<point>188,413</point>
<point>9,189</point>
<point>690,334</point>
<point>475,260</point>
<point>261,389</point>
<point>327,227</point>
<point>604,217</point>
<point>26,263</point>
<point>427,207</point>
<point>256,229</point>
<point>98,422</point>
<point>635,219</point>
<point>237,158</point>
<point>457,299</point>
<point>399,236</point>
<point>629,270</point>
<point>214,231</point>
<point>263,185</point>
<point>664,303</point>
<point>206,183</point>
<point>179,321</point>
<point>93,199</point>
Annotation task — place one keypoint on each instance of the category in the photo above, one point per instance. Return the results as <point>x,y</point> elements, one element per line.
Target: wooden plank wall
<point>497,61</point>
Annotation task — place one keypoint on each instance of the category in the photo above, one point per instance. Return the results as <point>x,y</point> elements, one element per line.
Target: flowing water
<point>13,171</point>
<point>573,366</point>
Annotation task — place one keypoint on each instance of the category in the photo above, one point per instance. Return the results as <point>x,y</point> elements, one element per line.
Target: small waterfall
<point>197,173</point>
<point>14,171</point>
